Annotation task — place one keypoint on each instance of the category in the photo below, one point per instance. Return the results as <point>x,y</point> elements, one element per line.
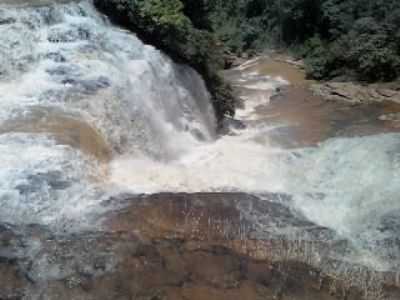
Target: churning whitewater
<point>74,92</point>
<point>87,111</point>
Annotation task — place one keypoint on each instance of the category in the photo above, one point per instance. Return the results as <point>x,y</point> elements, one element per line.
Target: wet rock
<point>55,180</point>
<point>6,19</point>
<point>228,125</point>
<point>214,224</point>
<point>12,281</point>
<point>62,70</point>
<point>61,35</point>
<point>56,57</point>
<point>354,93</point>
<point>298,63</point>
<point>232,61</point>
<point>219,270</point>
<point>87,86</point>
<point>181,246</point>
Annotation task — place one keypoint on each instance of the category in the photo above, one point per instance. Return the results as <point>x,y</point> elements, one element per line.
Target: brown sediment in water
<point>190,246</point>
<point>276,66</point>
<point>64,128</point>
<point>310,119</point>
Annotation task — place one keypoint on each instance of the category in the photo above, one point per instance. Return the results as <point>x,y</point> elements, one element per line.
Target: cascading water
<point>348,184</point>
<point>68,77</point>
<point>69,83</point>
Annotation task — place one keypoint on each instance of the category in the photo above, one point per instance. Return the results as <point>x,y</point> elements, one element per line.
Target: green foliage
<point>317,57</point>
<point>375,58</point>
<point>358,38</point>
<point>368,49</point>
<point>239,24</point>
<point>198,11</point>
<point>167,13</point>
<point>171,26</point>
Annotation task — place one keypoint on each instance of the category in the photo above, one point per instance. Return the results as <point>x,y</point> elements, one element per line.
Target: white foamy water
<point>64,61</point>
<point>157,118</point>
<point>350,185</point>
<point>44,186</point>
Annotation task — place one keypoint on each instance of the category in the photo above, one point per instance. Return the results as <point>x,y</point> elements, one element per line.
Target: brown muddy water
<point>308,119</point>
<point>66,129</point>
<point>219,219</point>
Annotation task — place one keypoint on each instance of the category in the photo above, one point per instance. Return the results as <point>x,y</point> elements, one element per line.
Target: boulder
<point>187,246</point>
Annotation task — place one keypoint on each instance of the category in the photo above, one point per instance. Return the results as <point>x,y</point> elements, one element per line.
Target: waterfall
<point>75,92</point>
<point>88,111</point>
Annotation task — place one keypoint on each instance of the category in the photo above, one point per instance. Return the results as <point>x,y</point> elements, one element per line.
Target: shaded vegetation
<point>351,39</point>
<point>171,26</point>
<point>338,39</point>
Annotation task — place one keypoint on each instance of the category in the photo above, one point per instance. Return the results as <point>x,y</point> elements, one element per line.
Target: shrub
<point>376,60</point>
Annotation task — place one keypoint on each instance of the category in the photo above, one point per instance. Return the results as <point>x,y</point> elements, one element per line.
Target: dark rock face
<point>177,247</point>
<point>228,125</point>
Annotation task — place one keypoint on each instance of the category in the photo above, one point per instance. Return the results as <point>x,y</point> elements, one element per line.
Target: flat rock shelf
<point>188,246</point>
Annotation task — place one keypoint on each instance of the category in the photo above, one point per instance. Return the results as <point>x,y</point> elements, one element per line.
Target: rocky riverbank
<point>312,112</point>
<point>186,246</point>
<point>204,246</point>
<point>356,94</point>
<point>102,114</point>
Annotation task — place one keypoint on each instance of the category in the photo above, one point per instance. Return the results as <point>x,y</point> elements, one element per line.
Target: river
<point>89,113</point>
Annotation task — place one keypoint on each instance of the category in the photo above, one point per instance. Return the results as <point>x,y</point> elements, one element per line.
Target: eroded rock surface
<point>354,93</point>
<point>186,246</point>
